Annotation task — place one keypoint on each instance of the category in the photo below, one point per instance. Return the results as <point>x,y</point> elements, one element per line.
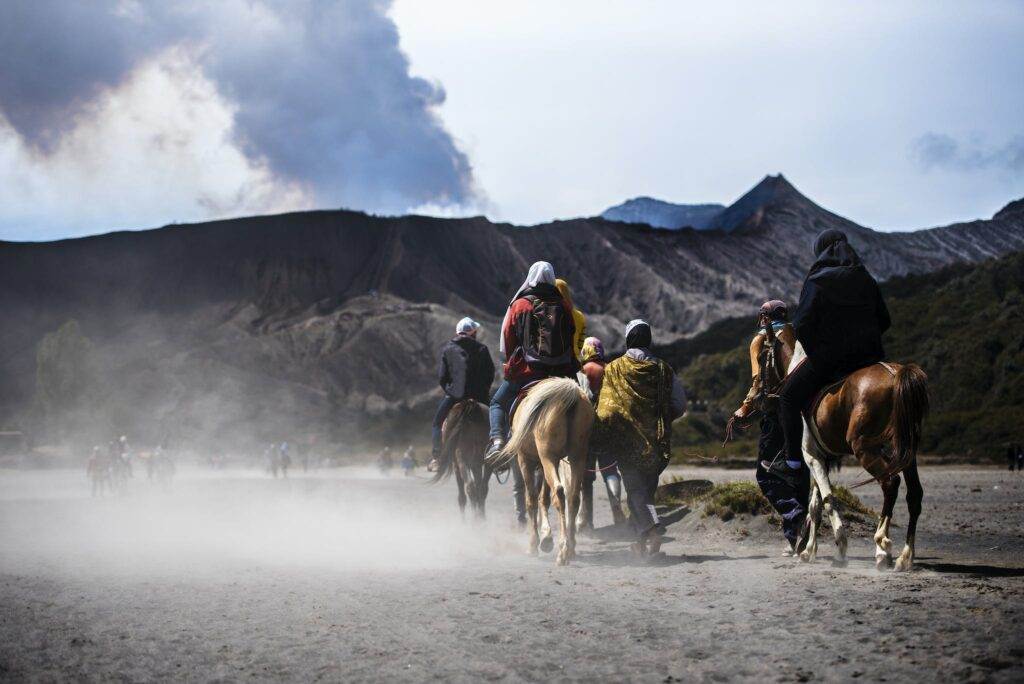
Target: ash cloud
<point>321,91</point>
<point>938,150</point>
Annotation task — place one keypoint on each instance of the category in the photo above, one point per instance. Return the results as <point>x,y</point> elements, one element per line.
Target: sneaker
<point>433,466</point>
<point>497,444</point>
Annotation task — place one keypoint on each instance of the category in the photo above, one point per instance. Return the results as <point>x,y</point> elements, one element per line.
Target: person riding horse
<point>465,371</point>
<point>536,342</point>
<point>770,353</point>
<point>839,322</point>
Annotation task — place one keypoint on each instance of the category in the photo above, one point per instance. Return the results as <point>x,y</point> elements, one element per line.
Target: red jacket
<point>515,367</point>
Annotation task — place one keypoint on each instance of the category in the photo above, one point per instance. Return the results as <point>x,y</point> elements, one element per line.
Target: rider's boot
<point>493,450</point>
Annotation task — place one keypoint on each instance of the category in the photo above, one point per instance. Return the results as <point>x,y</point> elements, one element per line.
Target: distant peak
<point>661,214</point>
<point>1013,208</point>
<point>750,206</point>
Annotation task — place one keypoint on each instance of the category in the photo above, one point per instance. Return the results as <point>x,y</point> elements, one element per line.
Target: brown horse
<point>463,442</point>
<point>552,427</point>
<point>874,414</point>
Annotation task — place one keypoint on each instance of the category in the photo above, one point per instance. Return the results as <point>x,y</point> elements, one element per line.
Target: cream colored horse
<point>552,427</point>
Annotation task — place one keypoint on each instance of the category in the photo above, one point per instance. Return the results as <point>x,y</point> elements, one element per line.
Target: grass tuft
<point>736,498</point>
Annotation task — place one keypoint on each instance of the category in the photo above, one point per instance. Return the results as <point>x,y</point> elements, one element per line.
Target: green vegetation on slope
<point>964,325</point>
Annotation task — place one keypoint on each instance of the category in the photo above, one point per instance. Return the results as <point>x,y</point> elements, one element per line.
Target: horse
<point>874,410</point>
<point>552,427</point>
<point>463,443</point>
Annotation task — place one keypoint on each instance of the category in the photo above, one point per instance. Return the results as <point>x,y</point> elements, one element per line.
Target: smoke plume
<point>320,91</point>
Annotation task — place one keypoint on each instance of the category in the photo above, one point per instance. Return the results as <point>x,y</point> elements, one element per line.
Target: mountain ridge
<point>315,321</point>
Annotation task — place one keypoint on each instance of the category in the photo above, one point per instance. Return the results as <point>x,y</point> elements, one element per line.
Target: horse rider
<point>640,397</point>
<point>536,343</point>
<point>465,371</point>
<point>839,322</point>
<point>579,321</point>
<point>593,359</point>
<point>771,350</point>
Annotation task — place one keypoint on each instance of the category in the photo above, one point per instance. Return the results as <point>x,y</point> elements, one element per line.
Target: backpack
<point>771,369</point>
<point>547,337</point>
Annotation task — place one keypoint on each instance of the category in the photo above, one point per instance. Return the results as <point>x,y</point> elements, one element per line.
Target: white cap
<point>466,326</point>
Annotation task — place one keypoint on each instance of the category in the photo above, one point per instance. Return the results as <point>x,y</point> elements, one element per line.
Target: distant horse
<point>463,443</point>
<point>874,414</point>
<point>552,427</point>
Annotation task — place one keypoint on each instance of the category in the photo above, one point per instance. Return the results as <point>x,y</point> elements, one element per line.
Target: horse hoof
<point>883,562</point>
<point>903,566</point>
<point>546,544</point>
<point>806,557</point>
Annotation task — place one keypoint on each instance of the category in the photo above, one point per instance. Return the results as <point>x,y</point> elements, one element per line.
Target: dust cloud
<point>220,523</point>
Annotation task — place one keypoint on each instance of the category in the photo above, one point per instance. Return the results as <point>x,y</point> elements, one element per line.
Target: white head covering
<point>540,272</point>
<point>633,323</point>
<point>465,326</point>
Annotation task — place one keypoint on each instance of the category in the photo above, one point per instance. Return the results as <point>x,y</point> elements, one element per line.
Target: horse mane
<point>548,400</point>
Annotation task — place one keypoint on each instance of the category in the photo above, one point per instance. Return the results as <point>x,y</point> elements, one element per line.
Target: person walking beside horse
<point>640,397</point>
<point>771,351</point>
<point>593,359</point>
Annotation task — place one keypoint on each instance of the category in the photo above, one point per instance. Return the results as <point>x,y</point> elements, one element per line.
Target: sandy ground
<point>347,575</point>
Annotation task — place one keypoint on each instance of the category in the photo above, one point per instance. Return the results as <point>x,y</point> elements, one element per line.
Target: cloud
<point>319,92</point>
<point>938,150</point>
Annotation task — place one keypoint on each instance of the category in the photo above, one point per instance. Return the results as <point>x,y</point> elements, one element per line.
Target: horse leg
<point>460,484</point>
<point>828,507</point>
<point>820,473</point>
<point>543,511</point>
<point>813,522</point>
<point>480,477</point>
<point>585,518</point>
<point>915,494</point>
<point>559,498</point>
<point>574,479</point>
<point>530,487</point>
<point>883,545</point>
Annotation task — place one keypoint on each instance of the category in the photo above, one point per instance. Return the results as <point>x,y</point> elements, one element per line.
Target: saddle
<point>519,398</point>
<point>811,410</point>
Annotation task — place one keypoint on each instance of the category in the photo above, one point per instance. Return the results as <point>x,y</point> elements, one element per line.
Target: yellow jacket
<point>578,319</point>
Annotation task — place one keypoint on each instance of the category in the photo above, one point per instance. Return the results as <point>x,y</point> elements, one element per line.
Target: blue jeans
<point>442,412</point>
<point>501,402</point>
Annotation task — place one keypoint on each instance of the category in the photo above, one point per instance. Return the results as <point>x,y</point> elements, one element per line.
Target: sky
<point>122,114</point>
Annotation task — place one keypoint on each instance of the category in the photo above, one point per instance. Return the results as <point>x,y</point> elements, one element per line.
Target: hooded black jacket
<point>841,315</point>
<point>466,370</point>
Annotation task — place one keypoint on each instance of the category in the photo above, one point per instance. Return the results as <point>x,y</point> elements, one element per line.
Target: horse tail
<point>550,400</point>
<point>910,407</point>
<point>454,424</point>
